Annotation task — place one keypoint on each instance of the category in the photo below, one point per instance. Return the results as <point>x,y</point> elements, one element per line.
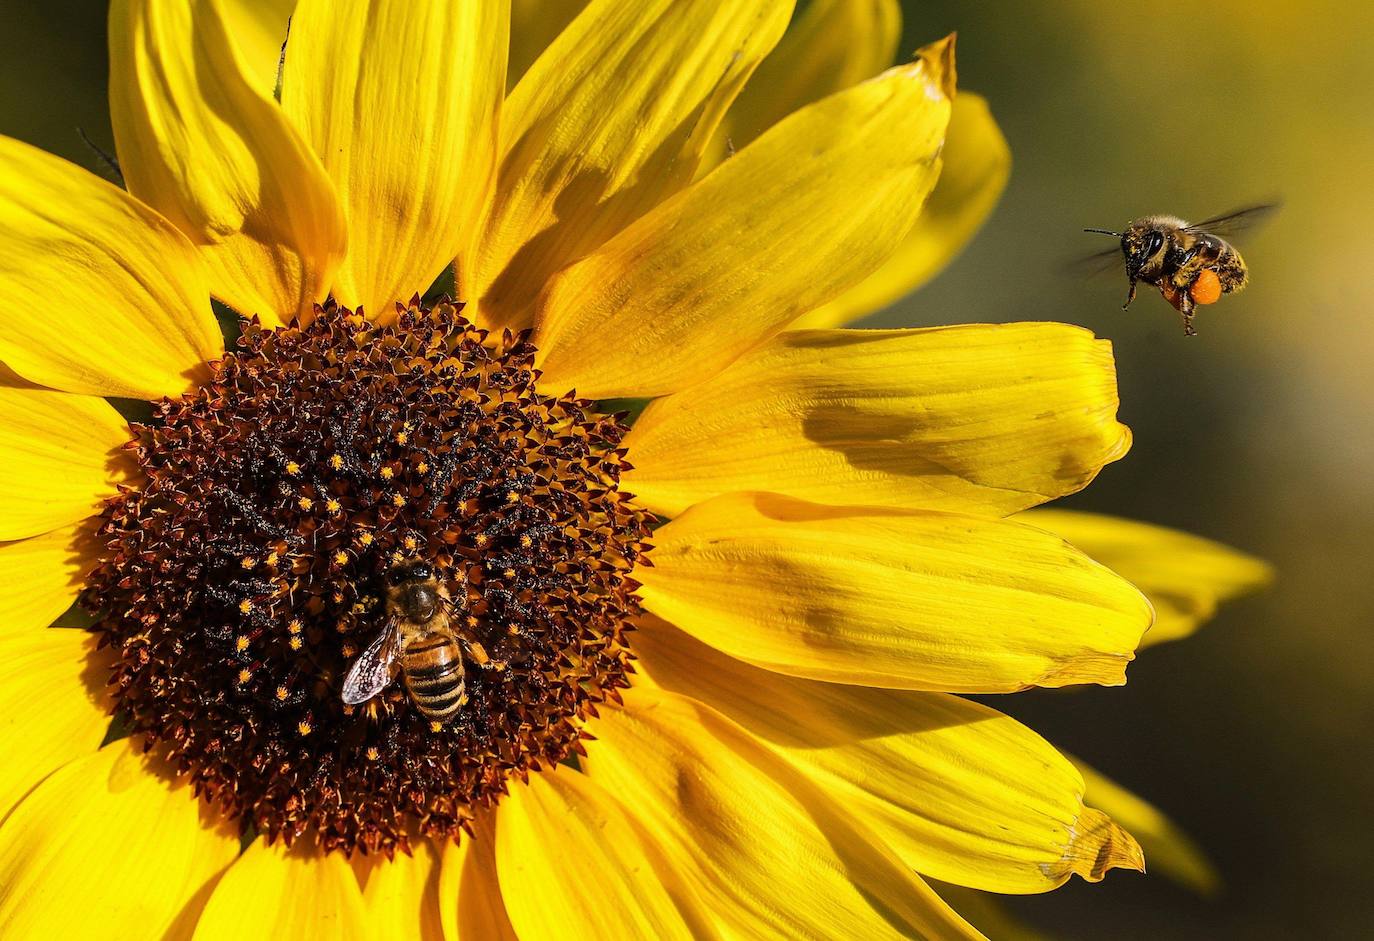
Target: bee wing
<point>1097,263</point>
<point>1234,223</point>
<point>371,672</point>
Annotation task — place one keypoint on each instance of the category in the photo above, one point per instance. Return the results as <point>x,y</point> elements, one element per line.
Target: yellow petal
<point>210,150</point>
<point>99,293</point>
<point>983,418</point>
<point>107,847</point>
<point>977,162</point>
<point>61,456</point>
<point>831,45</point>
<point>259,28</point>
<point>275,892</point>
<point>53,704</point>
<point>892,598</point>
<point>533,25</point>
<point>399,99</point>
<point>401,894</point>
<point>959,791</point>
<point>742,841</point>
<point>1169,850</point>
<point>809,209</point>
<point>572,865</point>
<point>471,907</point>
<point>613,118</point>
<point>42,576</point>
<point>1185,576</point>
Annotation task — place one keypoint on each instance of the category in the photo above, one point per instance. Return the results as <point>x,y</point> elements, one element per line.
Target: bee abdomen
<point>433,672</point>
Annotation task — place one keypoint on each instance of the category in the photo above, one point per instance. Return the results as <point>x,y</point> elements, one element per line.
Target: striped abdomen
<point>432,667</point>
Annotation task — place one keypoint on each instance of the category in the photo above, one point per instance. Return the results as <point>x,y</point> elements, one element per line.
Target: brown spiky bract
<point>239,582</point>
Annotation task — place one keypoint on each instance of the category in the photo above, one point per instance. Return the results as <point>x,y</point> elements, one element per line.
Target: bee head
<point>412,571</point>
<point>412,588</point>
<point>1141,245</point>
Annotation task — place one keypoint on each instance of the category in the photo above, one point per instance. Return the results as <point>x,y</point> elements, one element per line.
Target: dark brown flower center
<point>241,583</point>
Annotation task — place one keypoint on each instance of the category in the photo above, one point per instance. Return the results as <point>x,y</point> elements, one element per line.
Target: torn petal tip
<point>1097,843</point>
<point>938,59</point>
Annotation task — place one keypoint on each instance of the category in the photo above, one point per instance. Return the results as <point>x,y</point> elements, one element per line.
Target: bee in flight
<point>1191,263</point>
<point>419,634</point>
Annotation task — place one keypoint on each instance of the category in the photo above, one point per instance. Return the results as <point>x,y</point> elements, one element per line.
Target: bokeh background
<point>1255,734</point>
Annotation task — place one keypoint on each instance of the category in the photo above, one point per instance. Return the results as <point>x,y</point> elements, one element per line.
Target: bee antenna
<point>1104,232</point>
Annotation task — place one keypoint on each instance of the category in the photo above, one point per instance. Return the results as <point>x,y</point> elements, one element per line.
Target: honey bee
<point>1190,263</point>
<point>419,634</point>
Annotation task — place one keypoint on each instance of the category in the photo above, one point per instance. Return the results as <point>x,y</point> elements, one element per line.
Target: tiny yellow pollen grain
<point>481,539</point>
<point>387,473</point>
<point>436,726</point>
<point>332,505</point>
<point>305,503</point>
<point>295,643</point>
<point>272,558</point>
<point>294,626</point>
<point>423,467</point>
<point>402,437</point>
<point>241,643</point>
<point>245,675</point>
<point>293,468</point>
<point>247,562</point>
<point>283,692</point>
<point>526,542</point>
<point>509,573</point>
<point>340,557</point>
<point>365,539</point>
<point>335,461</point>
<point>246,606</point>
<point>398,499</point>
<point>373,754</point>
<point>410,542</point>
<point>304,727</point>
<point>512,497</point>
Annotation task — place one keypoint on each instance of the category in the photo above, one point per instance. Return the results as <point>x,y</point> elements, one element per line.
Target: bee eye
<point>1154,244</point>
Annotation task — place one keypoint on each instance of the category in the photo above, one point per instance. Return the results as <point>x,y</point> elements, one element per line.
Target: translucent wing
<point>1095,264</point>
<point>1234,223</point>
<point>371,672</point>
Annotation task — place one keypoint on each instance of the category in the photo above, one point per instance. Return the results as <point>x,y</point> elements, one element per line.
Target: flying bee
<point>1190,263</point>
<point>419,635</point>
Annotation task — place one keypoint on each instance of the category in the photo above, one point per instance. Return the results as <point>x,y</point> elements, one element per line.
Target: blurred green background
<point>1255,734</point>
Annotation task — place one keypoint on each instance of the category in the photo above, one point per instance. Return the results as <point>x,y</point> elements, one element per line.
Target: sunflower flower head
<point>760,696</point>
<point>236,585</point>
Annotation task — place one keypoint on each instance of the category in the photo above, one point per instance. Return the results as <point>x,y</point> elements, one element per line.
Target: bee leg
<point>1185,308</point>
<point>1130,296</point>
<point>479,656</point>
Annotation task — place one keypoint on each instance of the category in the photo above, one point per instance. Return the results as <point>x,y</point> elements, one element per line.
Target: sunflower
<point>708,656</point>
